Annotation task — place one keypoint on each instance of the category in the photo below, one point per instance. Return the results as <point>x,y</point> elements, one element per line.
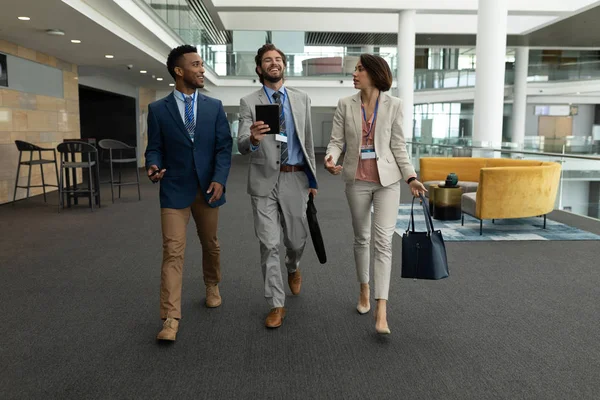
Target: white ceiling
<point>380,16</point>
<point>370,23</point>
<point>96,40</point>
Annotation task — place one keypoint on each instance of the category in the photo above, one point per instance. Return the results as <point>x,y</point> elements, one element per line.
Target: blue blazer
<point>189,164</point>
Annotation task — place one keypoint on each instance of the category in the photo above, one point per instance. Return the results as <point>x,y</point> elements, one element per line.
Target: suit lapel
<point>201,115</point>
<point>382,118</point>
<point>357,117</point>
<point>262,97</point>
<point>174,110</point>
<point>295,105</point>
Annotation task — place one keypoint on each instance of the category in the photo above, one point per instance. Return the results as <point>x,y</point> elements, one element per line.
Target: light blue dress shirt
<point>181,105</point>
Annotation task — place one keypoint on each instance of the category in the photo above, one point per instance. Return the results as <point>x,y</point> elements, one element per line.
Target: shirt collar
<point>180,96</point>
<point>271,91</point>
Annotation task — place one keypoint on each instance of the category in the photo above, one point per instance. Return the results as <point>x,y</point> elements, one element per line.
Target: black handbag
<point>423,253</point>
<point>315,230</point>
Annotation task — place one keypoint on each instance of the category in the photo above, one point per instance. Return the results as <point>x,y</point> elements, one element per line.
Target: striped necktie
<point>282,131</point>
<point>190,124</point>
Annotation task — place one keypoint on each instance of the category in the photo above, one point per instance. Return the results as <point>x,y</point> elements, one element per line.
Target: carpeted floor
<point>79,302</point>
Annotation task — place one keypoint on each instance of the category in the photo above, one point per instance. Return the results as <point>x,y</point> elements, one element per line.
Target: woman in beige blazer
<point>369,125</point>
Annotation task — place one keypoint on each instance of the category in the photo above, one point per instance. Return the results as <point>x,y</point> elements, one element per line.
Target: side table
<point>446,202</point>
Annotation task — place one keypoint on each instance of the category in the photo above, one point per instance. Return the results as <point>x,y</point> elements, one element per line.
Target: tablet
<point>269,114</point>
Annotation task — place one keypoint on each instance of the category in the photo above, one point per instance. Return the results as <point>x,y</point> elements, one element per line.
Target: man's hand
<point>258,131</point>
<point>417,188</point>
<point>154,174</point>
<point>217,191</point>
<point>313,192</point>
<point>331,167</point>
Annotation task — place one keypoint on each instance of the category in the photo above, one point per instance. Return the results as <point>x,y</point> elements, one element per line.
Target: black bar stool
<point>31,148</point>
<point>90,161</point>
<point>118,158</point>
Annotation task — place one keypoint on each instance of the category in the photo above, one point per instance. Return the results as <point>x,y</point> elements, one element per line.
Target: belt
<point>291,168</point>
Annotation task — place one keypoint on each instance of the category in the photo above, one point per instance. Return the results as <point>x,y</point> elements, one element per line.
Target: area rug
<point>503,229</point>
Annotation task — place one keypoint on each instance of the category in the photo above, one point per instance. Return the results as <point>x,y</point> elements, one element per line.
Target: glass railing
<point>578,145</point>
<point>580,174</point>
<point>335,65</point>
<point>242,64</point>
<point>180,18</point>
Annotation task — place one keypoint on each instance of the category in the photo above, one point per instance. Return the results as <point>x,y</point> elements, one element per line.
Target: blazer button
<point>377,158</point>
<point>277,162</point>
<point>277,146</point>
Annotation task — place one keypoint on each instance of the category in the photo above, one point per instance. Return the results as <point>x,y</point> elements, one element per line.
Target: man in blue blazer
<point>189,152</point>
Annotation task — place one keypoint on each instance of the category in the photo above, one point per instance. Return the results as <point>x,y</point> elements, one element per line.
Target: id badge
<point>281,138</point>
<point>367,153</point>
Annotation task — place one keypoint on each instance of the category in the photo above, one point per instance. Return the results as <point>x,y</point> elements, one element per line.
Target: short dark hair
<point>176,54</point>
<point>379,71</point>
<point>259,56</point>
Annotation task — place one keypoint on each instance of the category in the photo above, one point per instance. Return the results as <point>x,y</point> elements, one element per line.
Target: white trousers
<point>361,196</point>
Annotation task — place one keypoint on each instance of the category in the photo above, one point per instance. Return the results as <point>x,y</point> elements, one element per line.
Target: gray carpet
<point>79,302</point>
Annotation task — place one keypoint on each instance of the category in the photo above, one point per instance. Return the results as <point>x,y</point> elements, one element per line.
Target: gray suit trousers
<point>284,207</point>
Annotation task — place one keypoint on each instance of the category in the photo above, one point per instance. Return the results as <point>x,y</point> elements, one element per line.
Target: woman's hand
<point>331,167</point>
<point>417,188</point>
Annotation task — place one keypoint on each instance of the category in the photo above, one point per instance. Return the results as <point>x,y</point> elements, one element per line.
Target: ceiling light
<point>75,41</point>
<point>578,92</point>
<point>171,84</point>
<point>159,79</point>
<point>109,56</point>
<point>55,32</point>
<point>24,18</point>
<point>143,72</point>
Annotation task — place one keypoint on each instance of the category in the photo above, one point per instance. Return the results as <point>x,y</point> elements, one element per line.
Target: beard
<point>191,83</point>
<point>272,79</point>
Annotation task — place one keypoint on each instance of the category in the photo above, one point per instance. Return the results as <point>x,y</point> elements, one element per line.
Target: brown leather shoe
<point>275,317</point>
<point>295,282</point>
<point>213,297</point>
<point>169,330</point>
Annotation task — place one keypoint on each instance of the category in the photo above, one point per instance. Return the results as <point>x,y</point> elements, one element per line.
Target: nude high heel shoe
<point>364,290</point>
<point>385,330</point>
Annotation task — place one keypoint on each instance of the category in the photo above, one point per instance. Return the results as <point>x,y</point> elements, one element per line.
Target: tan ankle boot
<point>169,330</point>
<point>213,297</point>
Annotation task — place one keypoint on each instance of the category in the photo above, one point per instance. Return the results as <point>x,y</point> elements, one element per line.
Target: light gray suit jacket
<point>264,162</point>
<point>393,162</point>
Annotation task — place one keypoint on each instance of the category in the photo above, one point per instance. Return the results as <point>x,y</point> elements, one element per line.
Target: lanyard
<point>374,117</point>
<point>281,106</point>
<point>193,99</point>
<point>269,97</point>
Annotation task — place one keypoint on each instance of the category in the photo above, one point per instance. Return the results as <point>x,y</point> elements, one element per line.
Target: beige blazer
<point>393,162</point>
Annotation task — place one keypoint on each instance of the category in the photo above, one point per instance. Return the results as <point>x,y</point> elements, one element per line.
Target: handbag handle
<point>428,220</point>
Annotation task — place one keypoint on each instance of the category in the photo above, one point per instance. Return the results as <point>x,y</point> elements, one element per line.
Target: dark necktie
<point>190,124</point>
<point>282,131</point>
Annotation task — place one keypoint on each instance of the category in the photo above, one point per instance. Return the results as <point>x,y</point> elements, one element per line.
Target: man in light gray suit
<point>280,177</point>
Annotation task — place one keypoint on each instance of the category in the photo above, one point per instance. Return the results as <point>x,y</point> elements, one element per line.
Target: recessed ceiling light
<point>159,79</point>
<point>109,56</point>
<point>55,32</point>
<point>75,41</point>
<point>171,84</point>
<point>143,72</point>
<point>24,18</point>
<point>578,92</point>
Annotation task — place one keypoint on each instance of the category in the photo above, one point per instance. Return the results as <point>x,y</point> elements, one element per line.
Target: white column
<point>519,110</point>
<point>489,85</point>
<point>405,65</point>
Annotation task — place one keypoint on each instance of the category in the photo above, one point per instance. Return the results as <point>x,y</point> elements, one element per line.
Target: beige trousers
<point>174,225</point>
<point>361,197</point>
